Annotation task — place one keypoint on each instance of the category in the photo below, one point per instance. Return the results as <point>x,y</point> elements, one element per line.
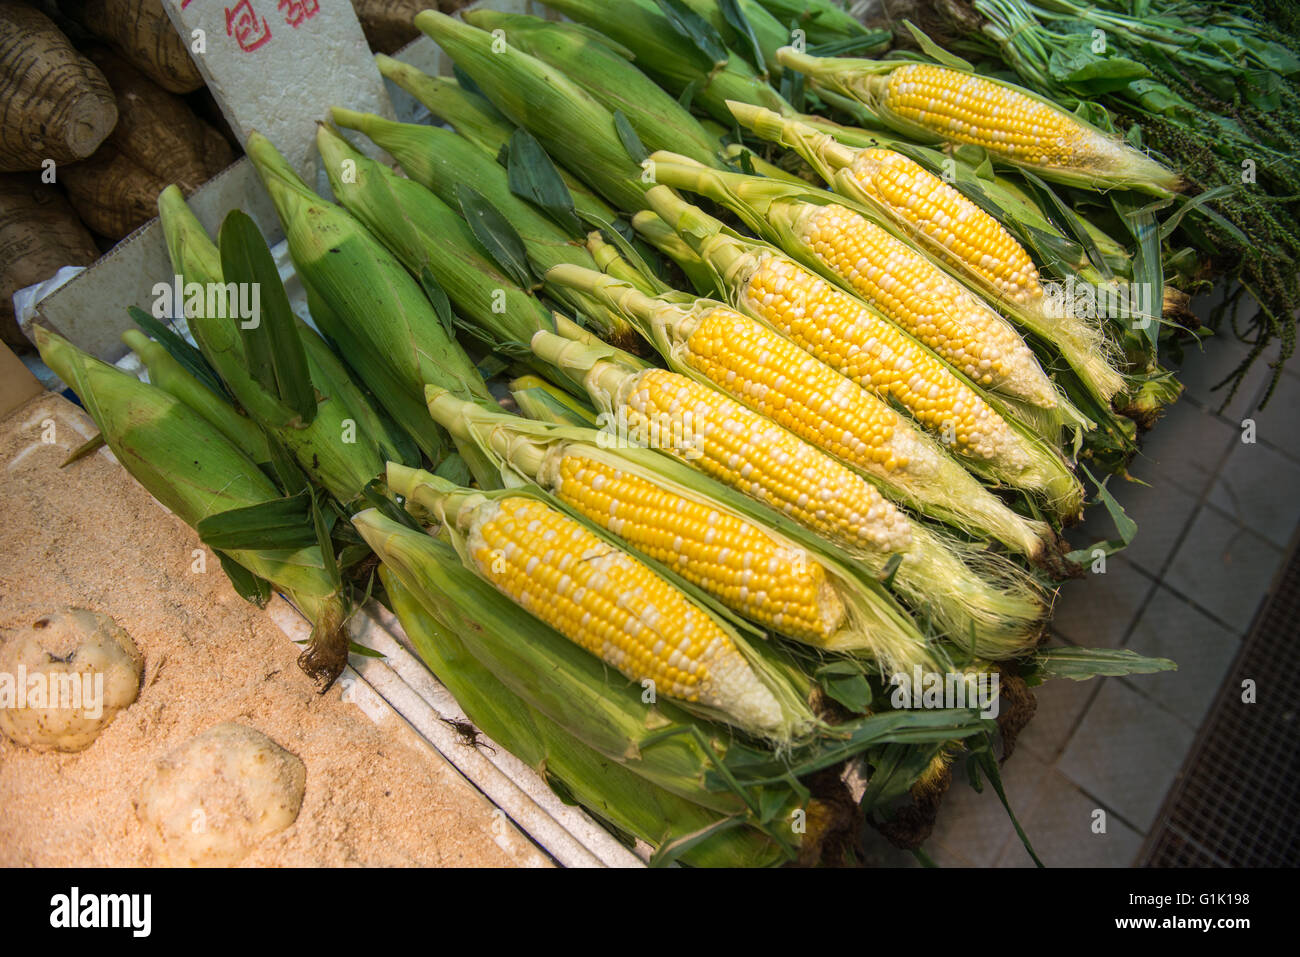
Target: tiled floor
<point>1214,521</point>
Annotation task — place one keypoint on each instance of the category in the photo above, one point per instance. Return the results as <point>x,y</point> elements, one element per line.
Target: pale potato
<point>213,798</point>
<point>64,677</point>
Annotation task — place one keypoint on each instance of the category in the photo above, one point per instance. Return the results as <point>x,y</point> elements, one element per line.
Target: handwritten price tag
<point>277,66</point>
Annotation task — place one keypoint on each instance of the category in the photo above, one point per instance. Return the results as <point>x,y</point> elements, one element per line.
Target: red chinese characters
<point>296,11</point>
<point>242,24</point>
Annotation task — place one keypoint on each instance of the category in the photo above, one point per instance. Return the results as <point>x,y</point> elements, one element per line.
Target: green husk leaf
<point>454,469</point>
<point>1080,664</point>
<point>438,298</point>
<point>534,177</point>
<point>91,445</point>
<point>496,235</point>
<point>279,523</point>
<point>735,16</point>
<point>274,352</point>
<point>696,29</point>
<point>252,588</point>
<point>190,358</point>
<point>936,52</point>
<point>627,136</point>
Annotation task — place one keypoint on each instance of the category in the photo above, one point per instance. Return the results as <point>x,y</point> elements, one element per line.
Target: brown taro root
<point>54,103</point>
<point>158,141</point>
<point>142,33</point>
<point>39,232</point>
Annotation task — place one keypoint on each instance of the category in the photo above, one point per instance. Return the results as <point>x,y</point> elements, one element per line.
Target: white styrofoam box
<point>277,66</point>
<point>90,311</point>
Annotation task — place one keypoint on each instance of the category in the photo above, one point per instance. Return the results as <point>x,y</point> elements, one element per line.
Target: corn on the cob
<point>373,309</point>
<point>612,80</point>
<point>604,600</point>
<point>890,275</point>
<point>938,102</point>
<point>196,472</point>
<point>947,222</point>
<point>478,121</point>
<point>613,606</point>
<point>610,790</point>
<point>997,194</point>
<point>844,333</point>
<point>747,568</point>
<point>674,517</point>
<point>578,691</point>
<point>567,120</point>
<point>942,221</point>
<point>710,432</point>
<point>330,448</point>
<point>740,448</point>
<point>775,377</point>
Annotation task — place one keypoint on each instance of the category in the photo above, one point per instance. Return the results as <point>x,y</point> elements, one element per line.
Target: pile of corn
<point>759,461</point>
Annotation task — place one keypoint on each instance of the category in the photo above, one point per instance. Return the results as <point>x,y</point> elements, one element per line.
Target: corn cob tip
<point>47,339</point>
<point>170,196</point>
<point>668,156</point>
<point>350,119</point>
<point>679,214</point>
<point>446,407</point>
<point>401,479</point>
<point>433,21</point>
<point>279,178</point>
<point>334,151</point>
<point>749,115</point>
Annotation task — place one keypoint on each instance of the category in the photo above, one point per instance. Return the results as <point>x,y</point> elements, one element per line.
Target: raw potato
<point>54,103</point>
<point>212,799</point>
<point>39,232</point>
<point>141,31</point>
<point>70,642</point>
<point>158,141</point>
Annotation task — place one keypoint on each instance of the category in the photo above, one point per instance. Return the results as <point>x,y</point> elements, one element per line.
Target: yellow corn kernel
<point>924,300</point>
<point>732,559</point>
<point>949,223</point>
<point>756,456</point>
<point>859,343</point>
<point>969,109</point>
<point>615,607</point>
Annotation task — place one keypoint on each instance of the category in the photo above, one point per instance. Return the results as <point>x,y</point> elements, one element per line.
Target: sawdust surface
<point>89,536</point>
